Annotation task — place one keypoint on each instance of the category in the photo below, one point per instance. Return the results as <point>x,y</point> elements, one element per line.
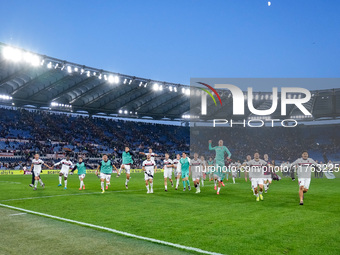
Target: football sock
<point>36,183</point>
<point>65,183</point>
<point>188,183</point>
<point>40,181</point>
<point>102,185</point>
<point>60,178</point>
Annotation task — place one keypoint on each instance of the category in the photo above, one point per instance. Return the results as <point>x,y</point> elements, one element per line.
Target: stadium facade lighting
<point>100,76</point>
<point>155,87</point>
<point>170,88</point>
<point>76,69</point>
<point>120,111</point>
<point>160,87</point>
<point>146,84</point>
<point>82,71</point>
<point>136,113</point>
<point>6,97</point>
<point>175,89</point>
<point>49,65</point>
<point>130,82</point>
<point>94,73</point>
<point>55,104</point>
<point>125,112</point>
<point>140,84</point>
<point>56,66</point>
<point>69,69</point>
<point>116,79</point>
<point>17,55</point>
<point>125,81</point>
<point>111,79</point>
<point>105,77</point>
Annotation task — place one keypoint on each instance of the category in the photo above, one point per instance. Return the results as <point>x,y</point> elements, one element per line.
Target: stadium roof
<point>45,82</point>
<point>33,79</point>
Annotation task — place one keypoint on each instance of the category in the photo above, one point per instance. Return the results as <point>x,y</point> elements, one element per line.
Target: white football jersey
<point>37,164</point>
<point>152,156</point>
<point>149,165</point>
<point>65,165</point>
<point>167,164</point>
<point>256,168</point>
<point>304,167</point>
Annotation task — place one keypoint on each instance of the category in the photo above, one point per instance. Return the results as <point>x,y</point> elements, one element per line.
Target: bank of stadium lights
<point>186,91</point>
<point>17,55</point>
<point>6,97</point>
<point>55,104</point>
<point>188,116</point>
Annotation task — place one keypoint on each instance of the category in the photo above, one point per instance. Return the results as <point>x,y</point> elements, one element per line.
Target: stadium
<point>129,140</point>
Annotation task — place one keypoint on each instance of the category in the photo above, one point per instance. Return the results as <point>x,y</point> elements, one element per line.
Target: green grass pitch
<point>231,223</point>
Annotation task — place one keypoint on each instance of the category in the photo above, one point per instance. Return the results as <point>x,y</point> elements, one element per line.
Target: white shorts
<point>256,181</point>
<point>217,177</point>
<point>168,173</point>
<point>148,175</point>
<point>107,177</point>
<point>196,178</point>
<point>178,172</point>
<point>305,182</point>
<point>81,176</point>
<point>36,172</point>
<point>64,173</point>
<point>270,179</point>
<point>127,168</point>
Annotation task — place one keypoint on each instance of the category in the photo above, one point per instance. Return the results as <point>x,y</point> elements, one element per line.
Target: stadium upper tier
<point>49,83</point>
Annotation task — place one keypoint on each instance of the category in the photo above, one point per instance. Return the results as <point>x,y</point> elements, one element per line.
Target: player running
<point>203,170</point>
<point>185,169</point>
<point>177,168</point>
<point>304,170</point>
<point>104,170</point>
<point>66,164</point>
<point>149,168</point>
<point>81,172</point>
<point>210,163</point>
<point>234,168</point>
<point>256,168</point>
<point>126,164</point>
<point>196,172</point>
<point>267,173</point>
<point>168,166</point>
<point>219,163</point>
<point>36,168</point>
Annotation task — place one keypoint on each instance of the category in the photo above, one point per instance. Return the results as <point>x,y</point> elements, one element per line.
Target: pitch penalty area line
<point>179,246</point>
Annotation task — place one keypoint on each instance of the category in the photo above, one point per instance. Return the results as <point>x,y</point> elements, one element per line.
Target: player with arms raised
<point>66,164</point>
<point>219,163</point>
<point>81,172</point>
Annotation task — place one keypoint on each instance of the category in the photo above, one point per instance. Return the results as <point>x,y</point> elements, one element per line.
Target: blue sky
<point>176,40</point>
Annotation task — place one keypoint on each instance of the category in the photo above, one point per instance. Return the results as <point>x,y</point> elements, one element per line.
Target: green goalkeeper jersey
<point>185,163</point>
<point>220,150</point>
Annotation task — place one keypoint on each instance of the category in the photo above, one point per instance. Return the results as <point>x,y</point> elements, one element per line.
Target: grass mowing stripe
<point>66,195</point>
<point>179,246</point>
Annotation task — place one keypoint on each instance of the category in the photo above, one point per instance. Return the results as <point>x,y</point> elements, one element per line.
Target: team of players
<point>259,170</point>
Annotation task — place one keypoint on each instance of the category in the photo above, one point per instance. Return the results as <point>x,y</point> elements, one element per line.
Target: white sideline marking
<point>179,246</point>
<point>15,214</point>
